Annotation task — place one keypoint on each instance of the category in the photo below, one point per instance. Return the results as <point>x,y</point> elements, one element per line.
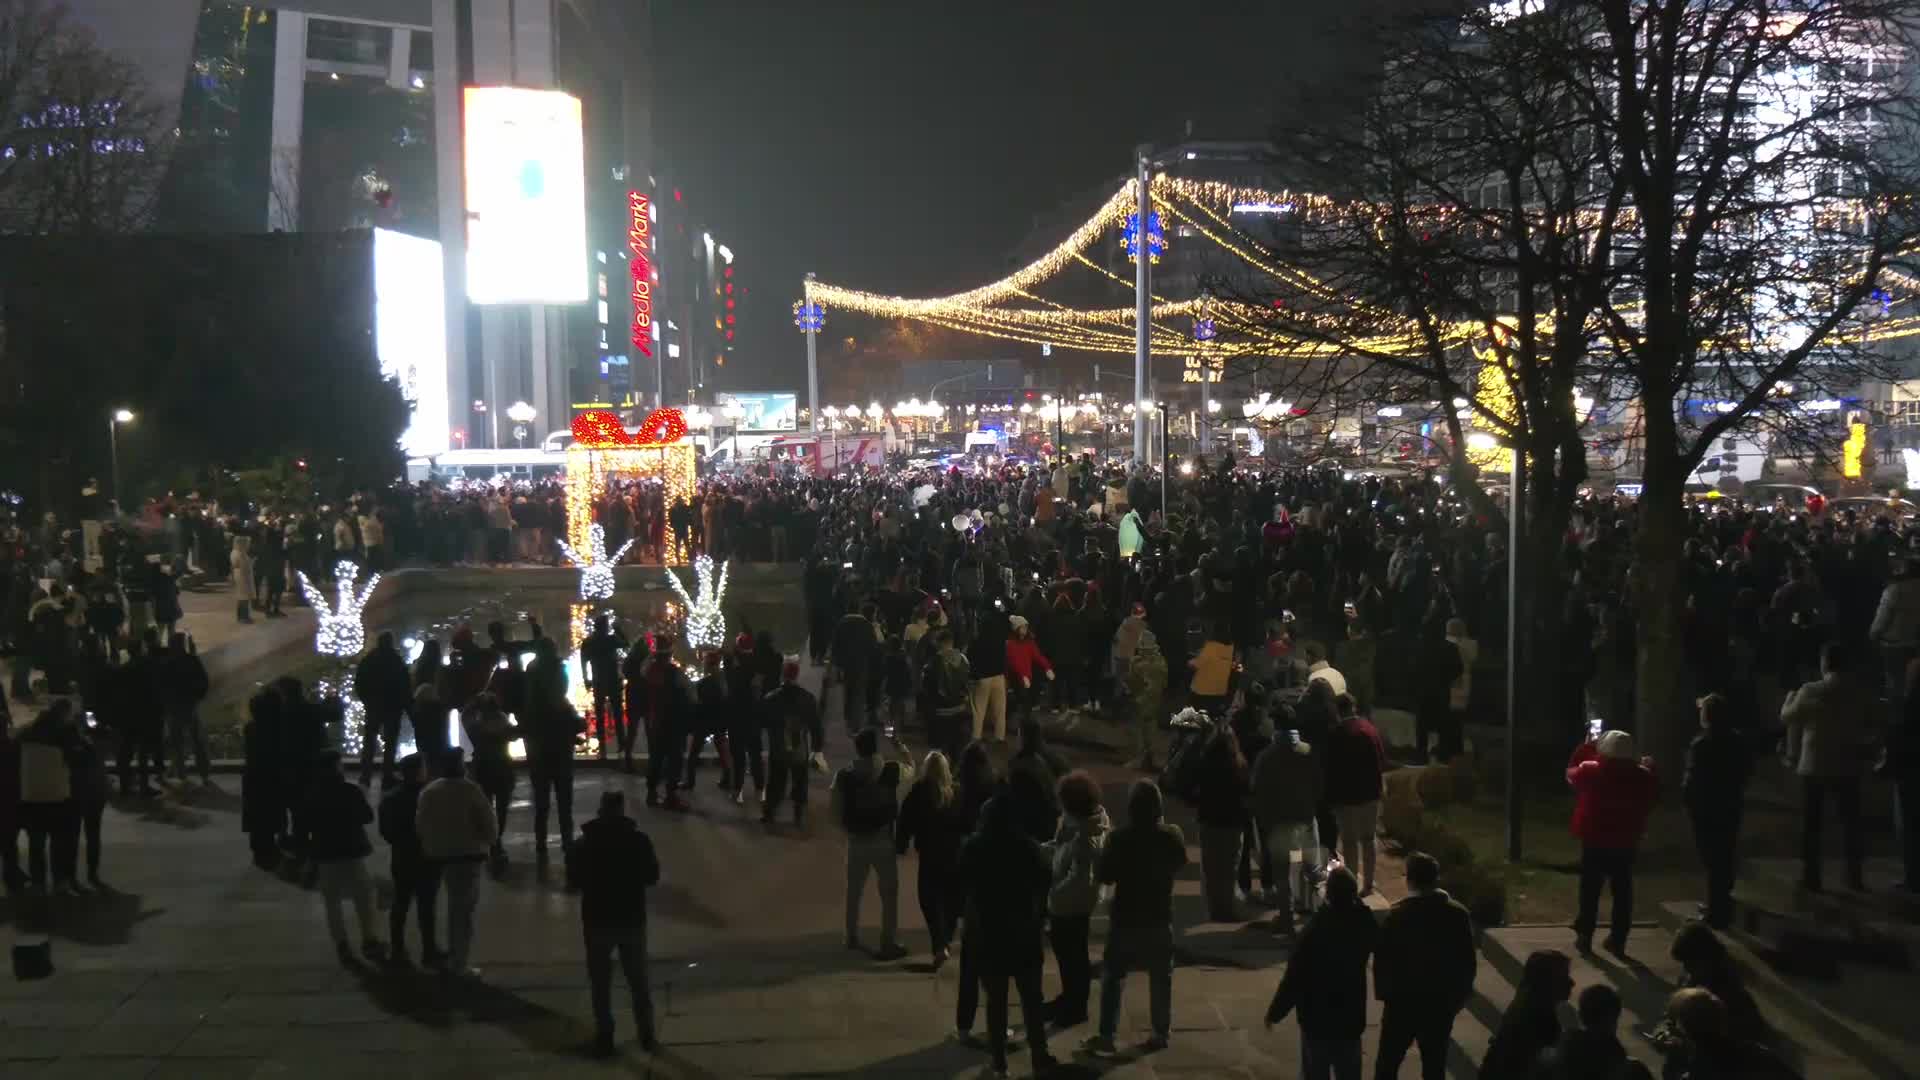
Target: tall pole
<point>813,360</point>
<point>1164,508</point>
<point>113,454</point>
<point>1517,479</point>
<point>1142,301</point>
<point>1204,421</point>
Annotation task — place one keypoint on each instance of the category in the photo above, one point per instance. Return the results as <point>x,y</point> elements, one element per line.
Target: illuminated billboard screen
<point>410,333</point>
<point>526,197</point>
<point>765,412</point>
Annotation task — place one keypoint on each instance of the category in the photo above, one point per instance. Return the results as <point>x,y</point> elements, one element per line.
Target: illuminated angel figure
<point>706,625</point>
<point>340,633</point>
<point>596,570</point>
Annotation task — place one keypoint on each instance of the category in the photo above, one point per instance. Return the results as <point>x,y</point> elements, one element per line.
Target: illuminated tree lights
<point>596,570</point>
<point>340,632</point>
<point>706,626</point>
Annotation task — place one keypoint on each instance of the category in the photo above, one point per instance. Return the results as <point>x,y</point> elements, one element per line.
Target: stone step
<point>1821,1006</point>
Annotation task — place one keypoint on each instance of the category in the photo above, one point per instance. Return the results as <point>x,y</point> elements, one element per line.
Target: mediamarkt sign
<point>639,239</point>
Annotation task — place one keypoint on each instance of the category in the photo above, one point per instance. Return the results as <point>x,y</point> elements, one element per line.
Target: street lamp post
<point>114,420</point>
<point>1142,300</point>
<point>810,316</point>
<point>521,414</point>
<point>1162,406</point>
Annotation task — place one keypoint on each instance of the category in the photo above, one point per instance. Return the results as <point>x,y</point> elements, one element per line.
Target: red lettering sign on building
<point>640,240</point>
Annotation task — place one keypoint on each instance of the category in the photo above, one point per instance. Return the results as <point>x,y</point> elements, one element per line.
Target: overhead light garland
<point>596,569</point>
<point>340,632</point>
<point>706,625</point>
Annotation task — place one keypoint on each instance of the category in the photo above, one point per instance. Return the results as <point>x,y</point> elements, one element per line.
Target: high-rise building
<point>318,115</point>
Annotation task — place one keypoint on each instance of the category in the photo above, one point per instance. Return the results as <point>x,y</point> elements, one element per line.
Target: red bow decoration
<point>597,428</point>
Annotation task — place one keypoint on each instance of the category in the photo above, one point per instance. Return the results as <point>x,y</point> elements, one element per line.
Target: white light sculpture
<point>596,570</point>
<point>340,632</point>
<point>706,625</point>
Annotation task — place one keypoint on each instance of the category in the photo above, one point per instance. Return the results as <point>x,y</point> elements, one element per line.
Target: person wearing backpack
<point>865,799</point>
<point>1075,892</point>
<point>949,708</point>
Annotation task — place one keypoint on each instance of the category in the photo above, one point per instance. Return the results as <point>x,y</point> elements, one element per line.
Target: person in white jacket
<point>455,824</point>
<point>1896,625</point>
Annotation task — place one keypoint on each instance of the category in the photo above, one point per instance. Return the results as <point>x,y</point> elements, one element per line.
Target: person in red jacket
<point>1614,790</point>
<point>1024,661</point>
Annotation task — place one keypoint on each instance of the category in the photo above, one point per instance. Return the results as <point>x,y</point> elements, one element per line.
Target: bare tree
<point>82,148</point>
<point>1664,204</point>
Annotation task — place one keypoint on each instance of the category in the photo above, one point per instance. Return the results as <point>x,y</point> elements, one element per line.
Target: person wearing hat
<point>1614,791</point>
<point>455,823</point>
<point>1024,662</point>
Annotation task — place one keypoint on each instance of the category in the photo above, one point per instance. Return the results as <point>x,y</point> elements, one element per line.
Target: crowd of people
<point>1286,608</point>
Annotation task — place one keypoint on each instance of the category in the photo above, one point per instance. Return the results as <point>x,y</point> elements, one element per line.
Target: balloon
<point>960,522</point>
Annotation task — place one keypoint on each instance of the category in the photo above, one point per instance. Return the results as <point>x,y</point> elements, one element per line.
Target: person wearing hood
<point>614,865</point>
<point>1140,862</point>
<point>1423,972</point>
<point>382,684</point>
<point>1146,682</point>
<point>866,801</point>
<point>1326,982</point>
<point>1614,791</point>
<point>1075,854</point>
<point>1006,878</point>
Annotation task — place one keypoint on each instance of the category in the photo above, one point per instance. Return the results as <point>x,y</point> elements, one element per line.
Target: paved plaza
<point>197,965</point>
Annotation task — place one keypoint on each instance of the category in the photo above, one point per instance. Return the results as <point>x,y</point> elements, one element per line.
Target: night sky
<point>904,146</point>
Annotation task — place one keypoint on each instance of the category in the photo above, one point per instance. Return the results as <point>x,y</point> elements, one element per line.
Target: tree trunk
<point>1663,723</point>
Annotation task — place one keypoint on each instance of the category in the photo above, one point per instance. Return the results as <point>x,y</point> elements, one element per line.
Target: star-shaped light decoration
<point>706,626</point>
<point>340,632</point>
<point>596,570</point>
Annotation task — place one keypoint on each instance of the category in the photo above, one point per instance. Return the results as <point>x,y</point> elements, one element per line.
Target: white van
<point>1732,460</point>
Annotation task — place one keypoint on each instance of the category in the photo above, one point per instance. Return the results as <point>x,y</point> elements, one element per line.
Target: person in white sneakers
<point>455,823</point>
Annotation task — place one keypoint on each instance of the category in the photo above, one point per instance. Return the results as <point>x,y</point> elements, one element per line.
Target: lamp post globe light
<point>119,416</point>
<point>521,414</point>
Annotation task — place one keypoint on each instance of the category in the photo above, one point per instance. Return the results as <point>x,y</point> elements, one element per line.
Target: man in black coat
<point>855,656</point>
<point>795,733</point>
<point>1326,981</point>
<point>1006,876</point>
<point>416,878</point>
<point>614,865</point>
<point>600,654</point>
<point>1423,971</point>
<point>383,685</point>
<point>1719,764</point>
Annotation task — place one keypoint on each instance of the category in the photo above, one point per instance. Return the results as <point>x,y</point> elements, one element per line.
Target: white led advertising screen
<point>526,197</point>
<point>410,333</point>
<point>765,412</point>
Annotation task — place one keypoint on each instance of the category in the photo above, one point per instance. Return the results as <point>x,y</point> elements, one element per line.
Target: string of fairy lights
<point>1012,309</point>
